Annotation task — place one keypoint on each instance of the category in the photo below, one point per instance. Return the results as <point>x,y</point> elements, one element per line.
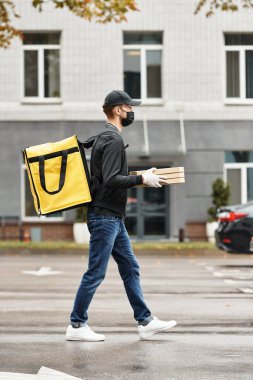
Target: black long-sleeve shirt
<point>109,173</point>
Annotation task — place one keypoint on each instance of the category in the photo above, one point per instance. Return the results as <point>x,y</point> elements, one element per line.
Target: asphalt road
<point>210,297</point>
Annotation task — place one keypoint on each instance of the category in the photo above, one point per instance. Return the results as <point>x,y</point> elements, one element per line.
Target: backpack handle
<point>62,172</point>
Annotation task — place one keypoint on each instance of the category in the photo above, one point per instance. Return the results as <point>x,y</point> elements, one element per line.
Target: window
<point>41,66</point>
<point>238,172</point>
<point>148,211</point>
<point>143,65</point>
<point>239,67</point>
<point>28,212</point>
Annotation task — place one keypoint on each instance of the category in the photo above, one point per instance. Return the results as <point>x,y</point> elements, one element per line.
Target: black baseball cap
<point>116,97</point>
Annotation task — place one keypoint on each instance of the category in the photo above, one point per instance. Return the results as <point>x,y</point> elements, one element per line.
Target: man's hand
<point>152,180</point>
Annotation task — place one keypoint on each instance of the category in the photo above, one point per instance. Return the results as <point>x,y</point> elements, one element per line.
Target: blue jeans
<point>108,235</point>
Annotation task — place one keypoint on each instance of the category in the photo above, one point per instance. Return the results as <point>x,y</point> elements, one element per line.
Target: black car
<point>235,230</point>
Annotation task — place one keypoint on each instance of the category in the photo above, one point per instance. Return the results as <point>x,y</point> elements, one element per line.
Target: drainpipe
<point>182,132</point>
<point>146,140</point>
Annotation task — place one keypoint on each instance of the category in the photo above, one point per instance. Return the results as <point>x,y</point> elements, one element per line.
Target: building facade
<point>194,76</point>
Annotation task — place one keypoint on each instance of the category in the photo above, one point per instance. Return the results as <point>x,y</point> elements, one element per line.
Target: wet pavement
<point>209,296</point>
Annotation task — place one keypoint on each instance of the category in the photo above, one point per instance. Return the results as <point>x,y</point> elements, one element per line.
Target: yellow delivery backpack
<point>58,175</point>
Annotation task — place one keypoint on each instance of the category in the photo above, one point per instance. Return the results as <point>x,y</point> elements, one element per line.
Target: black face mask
<point>129,119</point>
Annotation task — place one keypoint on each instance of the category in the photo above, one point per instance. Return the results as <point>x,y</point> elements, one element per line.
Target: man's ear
<point>117,110</point>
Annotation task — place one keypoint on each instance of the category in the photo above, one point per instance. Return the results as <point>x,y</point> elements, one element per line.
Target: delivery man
<point>105,220</point>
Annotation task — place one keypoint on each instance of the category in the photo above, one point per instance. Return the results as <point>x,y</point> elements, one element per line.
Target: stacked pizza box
<point>173,175</point>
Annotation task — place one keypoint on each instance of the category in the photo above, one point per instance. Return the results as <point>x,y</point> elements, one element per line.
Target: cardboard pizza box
<point>173,175</point>
<point>161,171</point>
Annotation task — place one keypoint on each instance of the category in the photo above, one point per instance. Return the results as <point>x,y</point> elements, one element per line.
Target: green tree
<point>223,5</point>
<point>101,11</point>
<point>220,197</point>
<point>81,214</point>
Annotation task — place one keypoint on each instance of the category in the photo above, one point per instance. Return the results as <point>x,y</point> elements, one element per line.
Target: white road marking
<point>28,376</point>
<point>49,372</point>
<point>43,271</point>
<point>44,373</point>
<point>229,282</point>
<point>246,290</point>
<point>237,275</point>
<point>209,268</point>
<point>218,274</point>
<point>16,376</point>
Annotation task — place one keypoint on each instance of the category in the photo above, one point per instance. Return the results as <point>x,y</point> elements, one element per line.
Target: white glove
<point>151,179</point>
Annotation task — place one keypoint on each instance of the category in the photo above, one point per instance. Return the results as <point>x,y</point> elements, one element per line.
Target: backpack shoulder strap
<point>93,139</point>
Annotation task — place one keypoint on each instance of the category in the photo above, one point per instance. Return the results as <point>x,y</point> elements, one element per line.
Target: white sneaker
<point>83,333</point>
<point>155,326</point>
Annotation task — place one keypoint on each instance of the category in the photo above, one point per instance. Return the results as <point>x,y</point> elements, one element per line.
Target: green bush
<point>81,214</point>
<point>220,197</point>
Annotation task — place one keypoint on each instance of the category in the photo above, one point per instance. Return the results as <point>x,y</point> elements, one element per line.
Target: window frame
<point>141,216</point>
<point>143,48</point>
<point>41,89</point>
<point>242,74</point>
<point>42,218</point>
<point>243,167</point>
